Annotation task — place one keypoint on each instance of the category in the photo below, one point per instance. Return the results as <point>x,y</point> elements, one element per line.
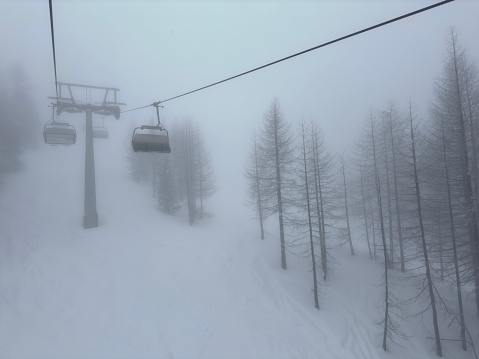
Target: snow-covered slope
<point>146,285</point>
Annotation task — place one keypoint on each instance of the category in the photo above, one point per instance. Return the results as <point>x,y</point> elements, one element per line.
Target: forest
<point>183,179</point>
<point>19,127</point>
<point>410,189</point>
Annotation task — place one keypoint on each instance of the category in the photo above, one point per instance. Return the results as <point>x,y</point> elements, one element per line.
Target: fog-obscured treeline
<point>183,178</point>
<point>19,124</point>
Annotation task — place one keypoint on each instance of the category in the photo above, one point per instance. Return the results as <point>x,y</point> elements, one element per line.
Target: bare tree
<point>387,318</point>
<point>166,191</point>
<point>454,245</point>
<point>388,192</point>
<point>307,198</point>
<point>423,240</point>
<point>255,186</point>
<point>395,133</point>
<point>182,178</point>
<point>456,98</point>
<point>276,148</point>
<point>346,207</point>
<point>323,190</point>
<point>468,187</point>
<point>19,128</point>
<point>206,183</point>
<point>367,169</point>
<point>365,215</point>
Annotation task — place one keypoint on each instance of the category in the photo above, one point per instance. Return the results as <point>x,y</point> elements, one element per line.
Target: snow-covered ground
<point>147,285</point>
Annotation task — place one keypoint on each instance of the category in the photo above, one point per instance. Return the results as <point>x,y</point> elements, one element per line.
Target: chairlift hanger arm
<point>158,114</point>
<point>71,93</point>
<point>53,114</point>
<point>104,98</point>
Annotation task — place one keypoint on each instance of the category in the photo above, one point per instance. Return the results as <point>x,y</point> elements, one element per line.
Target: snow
<point>147,285</point>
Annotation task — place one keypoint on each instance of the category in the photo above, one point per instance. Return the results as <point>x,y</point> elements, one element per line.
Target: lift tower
<point>107,107</point>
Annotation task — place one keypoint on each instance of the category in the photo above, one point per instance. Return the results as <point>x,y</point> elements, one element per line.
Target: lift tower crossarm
<point>88,86</point>
<point>72,99</point>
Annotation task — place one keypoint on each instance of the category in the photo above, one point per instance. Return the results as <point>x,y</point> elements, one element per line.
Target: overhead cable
<point>139,108</point>
<point>53,47</point>
<point>303,52</point>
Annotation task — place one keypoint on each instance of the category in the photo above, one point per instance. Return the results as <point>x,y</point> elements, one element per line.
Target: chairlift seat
<point>147,142</point>
<point>100,132</point>
<point>156,140</point>
<point>59,134</point>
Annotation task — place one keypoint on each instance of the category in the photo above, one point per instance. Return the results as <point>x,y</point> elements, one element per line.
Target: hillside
<point>147,285</point>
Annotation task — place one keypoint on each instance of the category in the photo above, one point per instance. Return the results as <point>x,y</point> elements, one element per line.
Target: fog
<point>155,50</point>
<point>145,283</point>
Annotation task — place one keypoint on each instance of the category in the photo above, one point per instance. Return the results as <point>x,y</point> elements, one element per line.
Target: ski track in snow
<point>147,285</point>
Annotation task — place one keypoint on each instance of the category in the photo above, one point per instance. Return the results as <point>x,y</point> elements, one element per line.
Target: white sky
<point>153,50</point>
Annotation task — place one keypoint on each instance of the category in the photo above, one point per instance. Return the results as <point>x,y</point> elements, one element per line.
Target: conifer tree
<point>165,185</point>
<point>276,148</point>
<point>255,184</point>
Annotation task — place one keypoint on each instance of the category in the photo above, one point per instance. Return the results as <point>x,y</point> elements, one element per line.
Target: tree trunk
<point>454,247</point>
<point>319,205</point>
<point>396,196</point>
<point>424,247</point>
<point>475,174</point>
<point>441,243</point>
<point>373,229</point>
<point>258,189</point>
<point>311,242</point>
<point>279,195</point>
<point>441,253</point>
<point>346,209</point>
<point>386,264</point>
<point>189,177</point>
<point>378,192</point>
<point>154,174</point>
<point>390,215</point>
<point>383,236</point>
<point>364,212</point>
<point>200,168</point>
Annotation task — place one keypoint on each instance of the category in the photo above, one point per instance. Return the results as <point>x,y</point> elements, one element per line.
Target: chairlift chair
<point>100,131</point>
<point>56,133</point>
<point>151,138</point>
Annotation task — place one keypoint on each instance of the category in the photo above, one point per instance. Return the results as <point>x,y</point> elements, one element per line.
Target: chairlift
<point>151,138</point>
<point>57,133</point>
<point>100,131</point>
